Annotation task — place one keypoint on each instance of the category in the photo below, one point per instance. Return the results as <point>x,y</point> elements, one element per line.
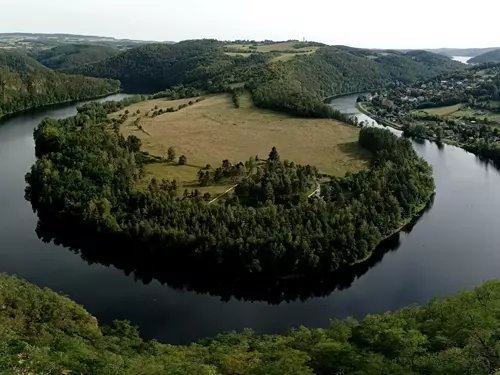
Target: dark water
<point>454,245</point>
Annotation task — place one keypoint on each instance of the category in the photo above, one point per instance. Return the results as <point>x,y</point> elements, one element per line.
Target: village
<point>460,108</point>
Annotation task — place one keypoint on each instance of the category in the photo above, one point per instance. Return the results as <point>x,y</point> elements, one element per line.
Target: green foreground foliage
<point>44,333</point>
<point>86,174</point>
<point>25,84</point>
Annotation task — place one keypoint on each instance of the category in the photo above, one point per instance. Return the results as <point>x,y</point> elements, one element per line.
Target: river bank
<point>6,116</point>
<point>381,120</point>
<point>404,223</point>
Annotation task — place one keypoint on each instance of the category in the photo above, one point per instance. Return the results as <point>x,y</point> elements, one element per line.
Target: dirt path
<point>316,192</point>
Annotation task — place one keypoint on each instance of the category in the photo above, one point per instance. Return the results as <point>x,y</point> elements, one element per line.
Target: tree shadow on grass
<point>354,150</point>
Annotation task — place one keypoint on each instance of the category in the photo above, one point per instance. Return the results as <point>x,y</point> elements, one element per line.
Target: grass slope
<point>213,130</point>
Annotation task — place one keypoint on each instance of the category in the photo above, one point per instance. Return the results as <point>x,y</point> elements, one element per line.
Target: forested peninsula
<point>86,173</point>
<point>44,333</point>
<point>26,84</point>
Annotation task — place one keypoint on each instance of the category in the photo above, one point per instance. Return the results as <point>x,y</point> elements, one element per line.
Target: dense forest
<point>86,172</point>
<point>68,56</point>
<point>25,83</point>
<point>44,333</point>
<point>491,56</point>
<point>156,67</point>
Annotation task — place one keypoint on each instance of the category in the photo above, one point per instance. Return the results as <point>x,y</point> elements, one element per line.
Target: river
<point>462,59</point>
<point>454,245</point>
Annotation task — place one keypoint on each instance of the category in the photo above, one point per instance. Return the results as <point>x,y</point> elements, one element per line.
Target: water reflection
<point>106,251</point>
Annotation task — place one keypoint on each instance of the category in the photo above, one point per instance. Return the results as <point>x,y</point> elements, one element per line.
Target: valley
<point>227,193</point>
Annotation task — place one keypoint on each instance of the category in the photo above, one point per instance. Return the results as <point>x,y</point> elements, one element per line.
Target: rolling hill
<point>25,83</point>
<point>31,42</point>
<point>296,85</point>
<point>492,56</point>
<point>155,67</point>
<point>468,52</point>
<point>68,56</point>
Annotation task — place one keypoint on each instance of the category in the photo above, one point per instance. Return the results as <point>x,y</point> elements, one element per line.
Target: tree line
<point>86,174</point>
<point>45,333</point>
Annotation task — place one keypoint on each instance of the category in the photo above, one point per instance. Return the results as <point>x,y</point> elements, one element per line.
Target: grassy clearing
<point>289,56</point>
<point>444,111</point>
<point>149,106</point>
<point>184,174</point>
<point>284,47</point>
<point>267,48</point>
<point>459,111</point>
<point>213,130</point>
<point>242,54</point>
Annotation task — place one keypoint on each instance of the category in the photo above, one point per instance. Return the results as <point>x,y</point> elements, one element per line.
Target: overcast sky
<point>359,23</point>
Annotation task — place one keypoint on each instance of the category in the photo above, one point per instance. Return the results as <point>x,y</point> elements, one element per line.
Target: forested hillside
<point>44,333</point>
<point>156,67</point>
<point>492,56</point>
<point>270,228</point>
<point>25,83</point>
<point>297,85</point>
<point>68,56</point>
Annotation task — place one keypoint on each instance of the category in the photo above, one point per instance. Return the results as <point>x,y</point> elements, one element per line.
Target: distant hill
<point>296,84</point>
<point>34,42</point>
<point>19,62</point>
<point>466,52</point>
<point>155,67</point>
<point>492,56</point>
<point>68,56</point>
<point>25,83</point>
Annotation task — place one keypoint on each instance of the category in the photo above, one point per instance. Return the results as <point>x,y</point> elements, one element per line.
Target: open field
<point>457,111</point>
<point>443,111</point>
<point>266,48</point>
<point>213,130</point>
<point>184,174</point>
<point>242,54</point>
<point>149,106</point>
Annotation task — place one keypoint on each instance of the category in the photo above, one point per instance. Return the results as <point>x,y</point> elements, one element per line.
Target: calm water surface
<point>462,59</point>
<point>454,245</point>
